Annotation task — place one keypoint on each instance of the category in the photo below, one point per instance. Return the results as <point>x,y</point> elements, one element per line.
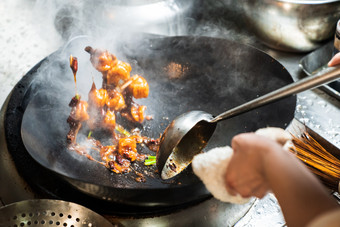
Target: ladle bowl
<point>195,129</point>
<point>188,134</point>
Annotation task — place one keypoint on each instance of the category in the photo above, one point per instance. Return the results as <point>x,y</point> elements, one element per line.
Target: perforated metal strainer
<point>44,212</point>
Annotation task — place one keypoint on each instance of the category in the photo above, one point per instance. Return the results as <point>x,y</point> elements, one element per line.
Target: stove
<point>15,161</point>
<point>27,180</point>
<point>43,183</point>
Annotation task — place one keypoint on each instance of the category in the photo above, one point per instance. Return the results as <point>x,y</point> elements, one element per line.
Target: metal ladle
<point>189,133</point>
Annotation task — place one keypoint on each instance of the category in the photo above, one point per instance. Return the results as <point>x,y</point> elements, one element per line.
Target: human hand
<point>334,61</point>
<point>259,164</point>
<point>246,172</point>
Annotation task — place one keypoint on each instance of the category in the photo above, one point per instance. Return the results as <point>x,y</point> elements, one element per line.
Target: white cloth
<point>211,166</point>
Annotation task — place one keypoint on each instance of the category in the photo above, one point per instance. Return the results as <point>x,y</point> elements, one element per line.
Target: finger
<point>237,141</point>
<point>335,60</point>
<point>261,191</point>
<point>236,186</point>
<point>251,188</point>
<point>229,185</point>
<point>246,191</point>
<point>243,140</point>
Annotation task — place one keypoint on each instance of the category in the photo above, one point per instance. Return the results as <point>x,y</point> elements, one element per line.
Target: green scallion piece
<point>89,135</point>
<point>149,162</point>
<point>121,130</point>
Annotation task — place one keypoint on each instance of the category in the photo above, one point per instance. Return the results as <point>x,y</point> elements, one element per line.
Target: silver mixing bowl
<point>291,25</point>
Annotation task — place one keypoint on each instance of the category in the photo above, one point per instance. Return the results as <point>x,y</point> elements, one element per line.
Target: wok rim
<point>148,189</point>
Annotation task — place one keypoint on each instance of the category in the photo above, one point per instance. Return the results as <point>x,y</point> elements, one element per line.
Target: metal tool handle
<point>290,89</point>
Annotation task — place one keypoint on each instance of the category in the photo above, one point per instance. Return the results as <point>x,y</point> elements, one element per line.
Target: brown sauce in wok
<point>99,113</point>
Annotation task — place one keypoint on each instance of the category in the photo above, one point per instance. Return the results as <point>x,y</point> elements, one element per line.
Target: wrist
<point>275,159</point>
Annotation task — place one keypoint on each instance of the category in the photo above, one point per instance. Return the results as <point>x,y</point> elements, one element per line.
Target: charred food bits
<point>100,111</point>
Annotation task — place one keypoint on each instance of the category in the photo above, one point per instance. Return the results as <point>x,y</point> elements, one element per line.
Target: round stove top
<point>28,179</point>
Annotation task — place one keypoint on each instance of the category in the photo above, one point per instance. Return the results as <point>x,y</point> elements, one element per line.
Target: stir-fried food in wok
<point>114,100</point>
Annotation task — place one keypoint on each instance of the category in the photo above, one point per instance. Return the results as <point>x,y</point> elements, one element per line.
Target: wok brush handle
<point>290,89</point>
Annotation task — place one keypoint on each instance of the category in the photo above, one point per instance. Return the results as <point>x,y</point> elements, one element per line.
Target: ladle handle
<point>290,89</point>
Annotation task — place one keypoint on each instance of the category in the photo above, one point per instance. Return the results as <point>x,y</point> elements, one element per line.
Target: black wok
<point>184,73</point>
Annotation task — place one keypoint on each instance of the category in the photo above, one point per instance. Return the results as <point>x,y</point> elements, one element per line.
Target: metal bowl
<point>162,17</point>
<point>292,25</point>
